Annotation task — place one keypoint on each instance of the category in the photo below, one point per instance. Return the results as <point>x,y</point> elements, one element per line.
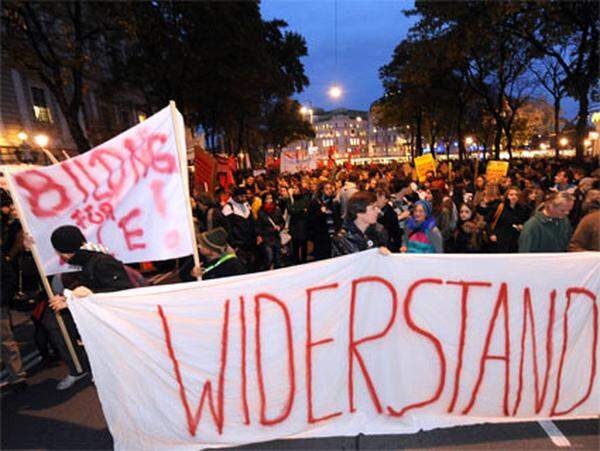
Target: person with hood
<point>421,235</point>
<point>99,272</point>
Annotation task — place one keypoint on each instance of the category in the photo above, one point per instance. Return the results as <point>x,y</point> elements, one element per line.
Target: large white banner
<point>127,194</point>
<point>363,343</point>
<point>291,164</point>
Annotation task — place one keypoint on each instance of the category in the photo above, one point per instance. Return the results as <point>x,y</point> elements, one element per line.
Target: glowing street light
<point>335,92</point>
<point>564,141</point>
<point>303,110</point>
<point>22,136</point>
<point>41,140</point>
<point>468,140</point>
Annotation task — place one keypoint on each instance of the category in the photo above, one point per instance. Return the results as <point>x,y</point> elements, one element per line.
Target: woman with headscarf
<point>421,235</point>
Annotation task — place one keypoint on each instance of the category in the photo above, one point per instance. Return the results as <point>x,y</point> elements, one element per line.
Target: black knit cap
<point>215,240</point>
<point>67,239</point>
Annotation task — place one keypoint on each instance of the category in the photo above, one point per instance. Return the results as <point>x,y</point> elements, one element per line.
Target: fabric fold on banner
<point>362,343</point>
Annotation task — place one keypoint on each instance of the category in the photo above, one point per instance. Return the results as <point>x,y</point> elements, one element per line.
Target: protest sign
<point>495,170</point>
<point>423,165</point>
<point>363,343</point>
<point>127,194</point>
<point>292,164</point>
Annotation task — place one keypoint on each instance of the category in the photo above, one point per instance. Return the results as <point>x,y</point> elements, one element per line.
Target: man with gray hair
<point>549,229</point>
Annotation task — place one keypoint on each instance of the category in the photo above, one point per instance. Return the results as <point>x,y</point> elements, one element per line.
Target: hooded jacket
<point>543,234</point>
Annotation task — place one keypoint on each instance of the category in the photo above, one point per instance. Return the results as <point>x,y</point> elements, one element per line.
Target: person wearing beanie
<point>220,258</point>
<point>421,235</point>
<point>98,272</point>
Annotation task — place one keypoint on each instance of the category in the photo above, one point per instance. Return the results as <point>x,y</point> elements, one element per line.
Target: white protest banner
<point>127,194</point>
<point>292,164</point>
<point>363,343</point>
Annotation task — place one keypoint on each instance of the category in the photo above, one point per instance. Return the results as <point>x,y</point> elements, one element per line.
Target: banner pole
<point>40,268</point>
<point>181,151</point>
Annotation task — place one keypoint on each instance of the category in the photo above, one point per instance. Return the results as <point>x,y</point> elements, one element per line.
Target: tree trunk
<point>497,140</point>
<point>556,125</point>
<point>581,127</point>
<point>419,138</point>
<point>82,143</point>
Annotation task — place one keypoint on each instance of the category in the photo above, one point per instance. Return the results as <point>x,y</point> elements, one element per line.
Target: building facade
<point>28,110</point>
<point>342,132</point>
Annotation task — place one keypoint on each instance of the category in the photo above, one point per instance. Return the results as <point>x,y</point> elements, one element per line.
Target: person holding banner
<point>220,258</point>
<point>421,235</point>
<point>360,230</point>
<point>99,272</point>
<point>549,230</point>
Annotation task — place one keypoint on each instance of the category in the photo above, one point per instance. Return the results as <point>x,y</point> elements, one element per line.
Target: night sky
<point>368,32</point>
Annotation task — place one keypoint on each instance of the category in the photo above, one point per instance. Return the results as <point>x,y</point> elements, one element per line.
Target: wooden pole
<point>40,267</point>
<point>181,151</point>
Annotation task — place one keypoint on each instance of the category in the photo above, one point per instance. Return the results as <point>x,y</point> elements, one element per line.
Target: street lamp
<point>335,92</point>
<point>564,141</point>
<point>303,110</point>
<point>22,136</point>
<point>468,140</point>
<point>41,140</point>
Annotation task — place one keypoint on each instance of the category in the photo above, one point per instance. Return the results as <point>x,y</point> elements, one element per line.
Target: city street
<point>44,418</point>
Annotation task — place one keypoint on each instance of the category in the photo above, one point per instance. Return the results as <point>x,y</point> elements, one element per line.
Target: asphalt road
<point>43,418</point>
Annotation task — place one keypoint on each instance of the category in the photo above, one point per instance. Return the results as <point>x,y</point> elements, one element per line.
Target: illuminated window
<point>40,106</point>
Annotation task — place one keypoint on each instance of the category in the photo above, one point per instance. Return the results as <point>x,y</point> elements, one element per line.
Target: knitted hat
<point>426,207</point>
<point>215,240</point>
<point>67,239</point>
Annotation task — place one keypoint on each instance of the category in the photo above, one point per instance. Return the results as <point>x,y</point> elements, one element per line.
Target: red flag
<point>205,168</point>
<point>225,168</point>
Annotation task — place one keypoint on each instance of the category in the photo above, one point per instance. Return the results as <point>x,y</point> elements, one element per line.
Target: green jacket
<point>543,234</point>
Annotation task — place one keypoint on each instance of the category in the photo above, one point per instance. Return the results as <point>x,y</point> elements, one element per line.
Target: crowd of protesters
<point>272,220</point>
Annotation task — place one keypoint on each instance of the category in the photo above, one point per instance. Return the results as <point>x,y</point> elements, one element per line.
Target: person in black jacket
<point>218,257</point>
<point>512,217</point>
<point>99,272</point>
<point>240,227</point>
<point>268,225</point>
<point>359,230</point>
<point>11,356</point>
<point>298,210</point>
<point>324,221</point>
<point>389,220</point>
